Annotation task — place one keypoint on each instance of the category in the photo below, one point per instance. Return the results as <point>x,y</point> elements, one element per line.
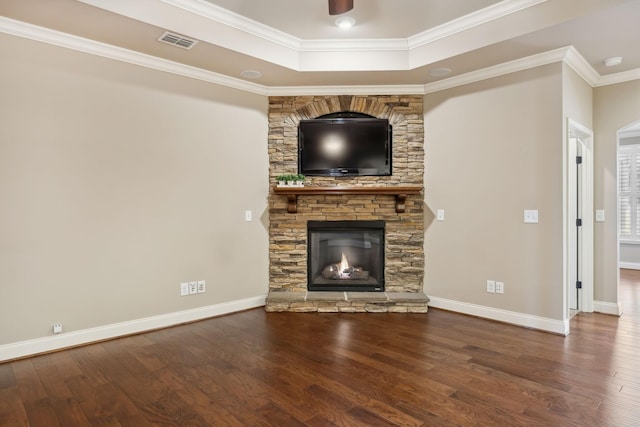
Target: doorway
<point>578,220</point>
<point>628,203</point>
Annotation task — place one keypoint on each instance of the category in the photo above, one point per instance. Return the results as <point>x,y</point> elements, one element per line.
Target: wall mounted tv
<point>344,144</point>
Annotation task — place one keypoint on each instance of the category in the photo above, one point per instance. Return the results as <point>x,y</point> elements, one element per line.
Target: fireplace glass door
<point>345,256</point>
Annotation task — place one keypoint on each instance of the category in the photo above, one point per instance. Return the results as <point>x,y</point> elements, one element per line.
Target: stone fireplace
<point>345,200</point>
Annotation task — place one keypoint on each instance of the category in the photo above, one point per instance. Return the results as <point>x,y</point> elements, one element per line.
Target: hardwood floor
<point>286,369</point>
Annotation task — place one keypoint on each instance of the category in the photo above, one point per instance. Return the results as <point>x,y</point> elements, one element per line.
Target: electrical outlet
<point>184,289</point>
<point>499,287</point>
<point>531,216</point>
<point>201,286</point>
<point>57,328</point>
<point>193,288</point>
<point>491,286</point>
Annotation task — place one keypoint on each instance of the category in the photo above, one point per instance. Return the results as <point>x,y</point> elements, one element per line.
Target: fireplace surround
<point>402,213</point>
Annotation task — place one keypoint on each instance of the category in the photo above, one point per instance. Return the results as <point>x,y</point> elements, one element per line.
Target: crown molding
<point>474,19</point>
<point>45,35</point>
<point>354,45</point>
<point>612,79</point>
<point>568,55</point>
<point>241,34</point>
<point>234,20</point>
<point>345,90</point>
<point>580,65</point>
<point>521,64</point>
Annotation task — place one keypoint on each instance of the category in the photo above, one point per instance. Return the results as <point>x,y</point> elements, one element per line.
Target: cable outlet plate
<point>57,328</point>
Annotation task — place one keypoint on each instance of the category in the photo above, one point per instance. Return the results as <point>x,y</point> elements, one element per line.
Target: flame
<point>344,264</point>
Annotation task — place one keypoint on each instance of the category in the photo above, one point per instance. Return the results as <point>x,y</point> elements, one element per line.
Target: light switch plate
<point>184,289</point>
<point>531,216</point>
<point>600,215</point>
<point>440,215</point>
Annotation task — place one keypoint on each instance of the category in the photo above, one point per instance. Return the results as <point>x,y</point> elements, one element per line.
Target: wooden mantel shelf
<point>400,193</point>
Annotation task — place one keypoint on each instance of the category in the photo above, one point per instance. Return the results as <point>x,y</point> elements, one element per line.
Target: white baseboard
<point>100,333</point>
<point>607,307</point>
<point>515,318</point>
<point>629,265</point>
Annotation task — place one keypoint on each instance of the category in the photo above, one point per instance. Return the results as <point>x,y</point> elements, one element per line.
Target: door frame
<point>585,135</point>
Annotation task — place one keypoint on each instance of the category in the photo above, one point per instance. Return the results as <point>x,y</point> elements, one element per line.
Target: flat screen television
<point>344,144</point>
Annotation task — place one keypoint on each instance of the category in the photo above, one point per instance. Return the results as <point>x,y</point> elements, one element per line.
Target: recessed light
<point>440,72</point>
<point>345,22</point>
<point>612,62</point>
<point>251,74</point>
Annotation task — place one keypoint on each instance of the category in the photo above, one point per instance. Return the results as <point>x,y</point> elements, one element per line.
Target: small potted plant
<point>299,180</point>
<point>282,180</point>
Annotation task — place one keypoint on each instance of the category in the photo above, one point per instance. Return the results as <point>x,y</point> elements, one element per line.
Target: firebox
<point>345,256</point>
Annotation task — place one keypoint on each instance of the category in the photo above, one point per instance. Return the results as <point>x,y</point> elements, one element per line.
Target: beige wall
<point>493,149</point>
<point>577,99</point>
<point>117,183</point>
<point>615,107</point>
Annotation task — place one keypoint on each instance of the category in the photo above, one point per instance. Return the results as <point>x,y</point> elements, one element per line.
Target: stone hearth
<point>348,302</point>
<point>404,234</point>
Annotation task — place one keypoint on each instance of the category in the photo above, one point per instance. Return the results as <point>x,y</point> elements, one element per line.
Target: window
<point>629,192</point>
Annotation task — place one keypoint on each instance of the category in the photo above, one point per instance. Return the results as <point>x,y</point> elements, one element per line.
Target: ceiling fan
<point>336,7</point>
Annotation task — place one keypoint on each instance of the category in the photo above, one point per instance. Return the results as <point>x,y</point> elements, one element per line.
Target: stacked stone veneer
<point>404,234</point>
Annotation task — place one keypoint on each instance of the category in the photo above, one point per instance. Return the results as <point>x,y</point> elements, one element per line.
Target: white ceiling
<point>295,42</point>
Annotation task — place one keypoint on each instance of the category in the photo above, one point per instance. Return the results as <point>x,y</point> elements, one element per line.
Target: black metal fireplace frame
<point>341,226</point>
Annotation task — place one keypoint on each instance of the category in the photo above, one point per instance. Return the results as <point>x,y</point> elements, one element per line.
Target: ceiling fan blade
<point>336,7</point>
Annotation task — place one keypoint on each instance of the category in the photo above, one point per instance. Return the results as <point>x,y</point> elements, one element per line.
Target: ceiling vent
<point>177,40</point>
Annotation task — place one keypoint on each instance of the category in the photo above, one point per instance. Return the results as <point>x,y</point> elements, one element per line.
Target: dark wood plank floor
<point>286,369</point>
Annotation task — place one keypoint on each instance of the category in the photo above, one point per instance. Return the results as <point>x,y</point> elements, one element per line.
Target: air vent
<point>177,40</point>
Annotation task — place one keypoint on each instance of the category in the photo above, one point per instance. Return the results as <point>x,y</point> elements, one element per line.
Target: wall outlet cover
<point>184,289</point>
<point>491,286</point>
<point>531,216</point>
<point>193,288</point>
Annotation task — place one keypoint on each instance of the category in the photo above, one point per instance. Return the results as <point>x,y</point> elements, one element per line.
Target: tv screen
<point>344,146</point>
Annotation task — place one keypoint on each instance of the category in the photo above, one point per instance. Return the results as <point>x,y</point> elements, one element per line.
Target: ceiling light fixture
<point>345,22</point>
<point>251,74</point>
<point>612,62</point>
<point>440,72</point>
